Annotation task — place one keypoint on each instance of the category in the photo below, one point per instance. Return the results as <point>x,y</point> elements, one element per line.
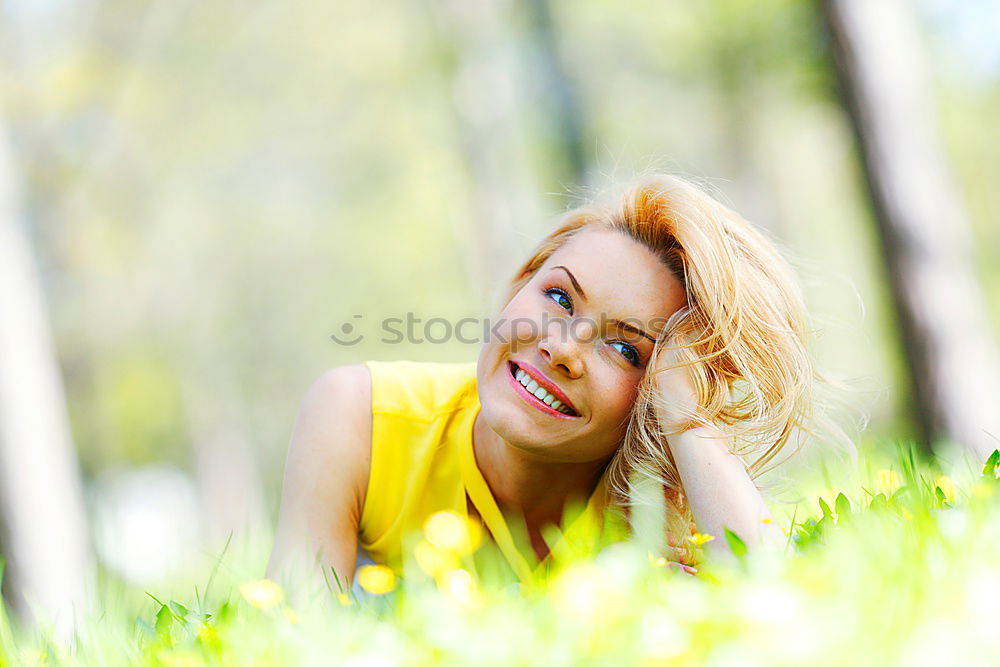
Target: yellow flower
<point>452,532</point>
<point>584,593</point>
<point>458,585</point>
<point>433,560</point>
<point>888,481</point>
<point>262,593</point>
<point>208,635</point>
<point>767,521</point>
<point>656,561</point>
<point>345,599</point>
<point>947,487</point>
<point>698,539</point>
<point>376,579</point>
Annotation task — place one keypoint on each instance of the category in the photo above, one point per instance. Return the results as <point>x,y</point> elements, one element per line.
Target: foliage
<point>905,573</point>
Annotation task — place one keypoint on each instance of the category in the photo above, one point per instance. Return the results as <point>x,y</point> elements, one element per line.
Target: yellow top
<point>422,462</point>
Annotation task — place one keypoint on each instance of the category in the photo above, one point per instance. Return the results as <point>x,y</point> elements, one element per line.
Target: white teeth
<point>539,392</point>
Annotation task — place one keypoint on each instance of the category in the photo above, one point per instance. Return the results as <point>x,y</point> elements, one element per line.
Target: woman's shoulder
<point>350,385</point>
<point>334,423</point>
<point>339,400</point>
<point>421,390</point>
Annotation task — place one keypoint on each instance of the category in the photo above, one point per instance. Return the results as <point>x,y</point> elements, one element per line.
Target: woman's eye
<point>561,298</point>
<point>630,353</point>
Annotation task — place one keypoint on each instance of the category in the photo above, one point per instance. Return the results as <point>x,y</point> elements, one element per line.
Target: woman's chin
<point>507,421</point>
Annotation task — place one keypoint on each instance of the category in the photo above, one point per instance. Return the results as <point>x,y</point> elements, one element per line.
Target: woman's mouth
<point>529,389</point>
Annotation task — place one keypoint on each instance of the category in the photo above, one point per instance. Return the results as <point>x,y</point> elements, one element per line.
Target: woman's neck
<point>536,489</point>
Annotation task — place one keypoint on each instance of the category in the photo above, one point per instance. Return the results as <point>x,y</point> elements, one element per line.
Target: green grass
<point>903,569</point>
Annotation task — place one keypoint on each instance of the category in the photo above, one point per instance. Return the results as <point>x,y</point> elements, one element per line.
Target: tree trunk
<point>41,496</point>
<point>926,239</point>
<point>564,111</point>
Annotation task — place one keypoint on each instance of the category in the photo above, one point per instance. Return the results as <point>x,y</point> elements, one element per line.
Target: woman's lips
<point>530,398</point>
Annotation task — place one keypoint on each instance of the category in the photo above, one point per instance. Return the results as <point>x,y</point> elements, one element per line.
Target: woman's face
<point>583,329</point>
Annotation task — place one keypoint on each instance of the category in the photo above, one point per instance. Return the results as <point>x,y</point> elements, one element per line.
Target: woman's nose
<point>563,348</point>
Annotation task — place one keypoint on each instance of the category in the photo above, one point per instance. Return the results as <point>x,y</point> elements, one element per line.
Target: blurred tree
<point>41,497</point>
<point>559,95</point>
<point>926,239</point>
<point>225,467</point>
<point>488,91</point>
<point>746,59</point>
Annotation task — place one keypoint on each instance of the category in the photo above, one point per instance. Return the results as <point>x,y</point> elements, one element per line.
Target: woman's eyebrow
<point>635,330</point>
<point>617,323</point>
<point>572,279</point>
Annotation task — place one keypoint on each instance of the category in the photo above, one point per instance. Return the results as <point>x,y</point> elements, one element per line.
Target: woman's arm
<point>717,486</point>
<point>326,478</point>
<point>719,490</point>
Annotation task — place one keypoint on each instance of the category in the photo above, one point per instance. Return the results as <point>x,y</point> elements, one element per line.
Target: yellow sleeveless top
<point>422,462</point>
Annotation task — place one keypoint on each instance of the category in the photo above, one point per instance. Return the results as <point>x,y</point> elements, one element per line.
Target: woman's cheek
<point>524,330</point>
<point>500,334</point>
<point>518,326</point>
<point>625,393</point>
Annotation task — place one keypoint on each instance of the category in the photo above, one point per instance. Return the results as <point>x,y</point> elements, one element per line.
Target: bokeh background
<point>208,190</point>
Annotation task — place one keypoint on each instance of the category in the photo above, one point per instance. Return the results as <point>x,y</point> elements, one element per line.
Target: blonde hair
<point>742,333</point>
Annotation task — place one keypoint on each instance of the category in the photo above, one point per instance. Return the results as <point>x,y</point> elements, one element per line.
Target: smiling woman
<point>657,339</point>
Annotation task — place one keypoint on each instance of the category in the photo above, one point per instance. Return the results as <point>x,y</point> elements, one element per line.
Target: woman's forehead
<point>619,274</point>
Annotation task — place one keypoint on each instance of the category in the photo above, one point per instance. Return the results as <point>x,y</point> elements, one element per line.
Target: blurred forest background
<point>208,190</point>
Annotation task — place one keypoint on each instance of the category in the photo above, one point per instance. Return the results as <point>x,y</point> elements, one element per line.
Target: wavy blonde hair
<point>742,333</point>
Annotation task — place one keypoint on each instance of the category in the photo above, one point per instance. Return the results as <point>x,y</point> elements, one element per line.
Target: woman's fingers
<point>683,568</point>
<point>681,555</point>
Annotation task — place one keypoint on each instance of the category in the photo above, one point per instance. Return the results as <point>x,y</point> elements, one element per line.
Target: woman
<point>661,338</point>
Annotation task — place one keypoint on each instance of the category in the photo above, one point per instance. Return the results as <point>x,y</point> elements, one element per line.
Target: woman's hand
<point>677,398</point>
